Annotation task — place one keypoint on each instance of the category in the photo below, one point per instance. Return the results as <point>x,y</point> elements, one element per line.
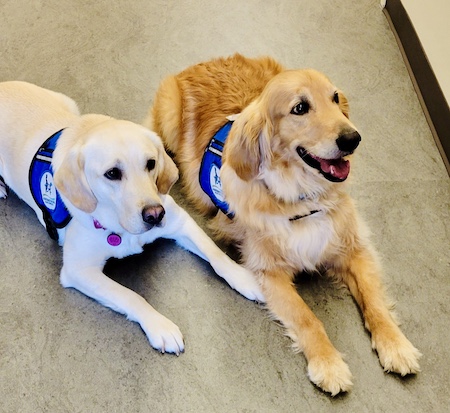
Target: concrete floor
<point>62,352</point>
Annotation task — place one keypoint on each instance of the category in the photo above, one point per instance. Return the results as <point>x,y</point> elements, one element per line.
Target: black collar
<point>297,217</point>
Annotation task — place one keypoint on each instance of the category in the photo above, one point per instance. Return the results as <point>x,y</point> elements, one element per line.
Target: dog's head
<point>300,125</point>
<point>116,171</point>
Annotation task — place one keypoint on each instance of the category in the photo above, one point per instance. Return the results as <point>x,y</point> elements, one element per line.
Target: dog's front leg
<point>360,271</point>
<point>326,367</point>
<point>88,278</point>
<point>185,231</point>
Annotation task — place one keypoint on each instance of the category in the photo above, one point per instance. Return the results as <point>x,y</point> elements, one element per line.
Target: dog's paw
<point>246,283</point>
<point>331,374</point>
<point>163,334</point>
<point>396,353</point>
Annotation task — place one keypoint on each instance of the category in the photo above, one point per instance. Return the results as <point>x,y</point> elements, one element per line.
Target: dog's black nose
<point>153,214</point>
<point>348,142</point>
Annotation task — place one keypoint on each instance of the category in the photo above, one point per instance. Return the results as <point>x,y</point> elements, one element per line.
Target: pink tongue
<point>339,168</point>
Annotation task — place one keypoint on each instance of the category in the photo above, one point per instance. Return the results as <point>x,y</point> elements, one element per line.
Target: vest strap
<point>54,212</point>
<point>210,168</point>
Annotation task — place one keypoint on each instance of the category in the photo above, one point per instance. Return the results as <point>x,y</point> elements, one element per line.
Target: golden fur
<point>267,185</point>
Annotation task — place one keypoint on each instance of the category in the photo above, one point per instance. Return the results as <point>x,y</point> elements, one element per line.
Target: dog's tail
<point>165,116</point>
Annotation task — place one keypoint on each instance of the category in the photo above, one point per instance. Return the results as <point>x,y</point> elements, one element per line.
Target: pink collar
<point>113,239</point>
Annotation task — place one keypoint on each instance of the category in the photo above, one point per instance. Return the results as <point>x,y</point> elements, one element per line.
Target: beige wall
<point>430,19</point>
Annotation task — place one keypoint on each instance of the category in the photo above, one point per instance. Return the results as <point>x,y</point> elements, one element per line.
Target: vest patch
<point>43,189</point>
<point>210,168</point>
<point>48,191</point>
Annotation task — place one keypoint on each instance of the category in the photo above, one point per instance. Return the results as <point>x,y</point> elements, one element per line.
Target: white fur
<point>94,144</point>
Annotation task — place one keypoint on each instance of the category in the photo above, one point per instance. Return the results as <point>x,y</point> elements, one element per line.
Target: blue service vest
<point>43,189</point>
<point>210,167</point>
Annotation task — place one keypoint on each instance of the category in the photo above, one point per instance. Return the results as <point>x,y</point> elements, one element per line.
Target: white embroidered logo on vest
<point>216,183</point>
<point>48,191</point>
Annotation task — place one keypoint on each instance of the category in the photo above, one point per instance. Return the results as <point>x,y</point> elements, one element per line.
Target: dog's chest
<point>308,240</point>
<point>129,245</point>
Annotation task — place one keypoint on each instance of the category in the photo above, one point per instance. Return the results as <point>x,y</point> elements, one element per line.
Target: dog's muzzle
<point>337,169</point>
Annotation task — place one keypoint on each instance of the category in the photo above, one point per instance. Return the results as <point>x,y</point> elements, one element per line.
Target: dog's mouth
<point>335,170</point>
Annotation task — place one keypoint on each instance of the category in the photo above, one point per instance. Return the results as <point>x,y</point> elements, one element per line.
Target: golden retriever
<point>113,177</point>
<point>284,167</point>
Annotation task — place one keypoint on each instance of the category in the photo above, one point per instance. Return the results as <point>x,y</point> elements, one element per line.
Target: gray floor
<point>62,352</point>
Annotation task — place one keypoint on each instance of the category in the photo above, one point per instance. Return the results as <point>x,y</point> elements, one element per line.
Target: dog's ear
<point>167,174</point>
<point>248,145</point>
<point>343,104</point>
<point>71,181</point>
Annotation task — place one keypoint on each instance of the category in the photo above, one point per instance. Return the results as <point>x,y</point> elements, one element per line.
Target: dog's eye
<point>151,164</point>
<point>336,97</point>
<point>113,174</point>
<point>300,108</point>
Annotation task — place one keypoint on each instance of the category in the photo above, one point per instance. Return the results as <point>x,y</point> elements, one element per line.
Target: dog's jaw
<point>334,170</point>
